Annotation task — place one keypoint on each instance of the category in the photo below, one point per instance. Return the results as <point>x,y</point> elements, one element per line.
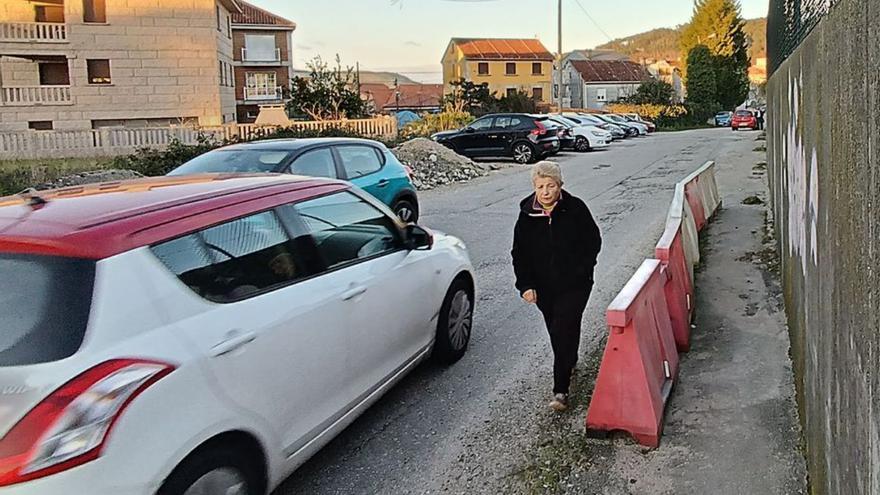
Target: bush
<point>665,116</point>
<point>153,162</point>
<point>431,123</point>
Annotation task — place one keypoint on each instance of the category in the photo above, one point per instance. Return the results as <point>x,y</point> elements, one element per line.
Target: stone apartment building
<point>86,64</point>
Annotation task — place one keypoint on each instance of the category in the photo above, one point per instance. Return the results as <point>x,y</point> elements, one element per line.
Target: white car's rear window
<point>44,309</point>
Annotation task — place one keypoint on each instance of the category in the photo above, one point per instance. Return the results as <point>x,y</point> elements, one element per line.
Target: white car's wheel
<point>581,144</point>
<point>211,472</point>
<point>455,323</point>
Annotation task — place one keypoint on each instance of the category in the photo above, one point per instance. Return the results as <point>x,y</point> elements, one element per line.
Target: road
<point>469,428</point>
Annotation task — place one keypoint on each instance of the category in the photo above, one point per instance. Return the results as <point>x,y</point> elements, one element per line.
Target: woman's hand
<point>530,296</point>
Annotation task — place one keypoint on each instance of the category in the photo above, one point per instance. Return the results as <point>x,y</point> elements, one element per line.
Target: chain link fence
<point>788,23</point>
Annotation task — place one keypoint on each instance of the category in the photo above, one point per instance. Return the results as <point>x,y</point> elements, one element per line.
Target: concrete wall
<point>824,161</point>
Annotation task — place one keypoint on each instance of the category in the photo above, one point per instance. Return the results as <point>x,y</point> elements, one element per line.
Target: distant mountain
<point>663,43</point>
<point>369,77</point>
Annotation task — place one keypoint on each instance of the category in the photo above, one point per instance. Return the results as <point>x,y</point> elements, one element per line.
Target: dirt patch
<point>435,165</point>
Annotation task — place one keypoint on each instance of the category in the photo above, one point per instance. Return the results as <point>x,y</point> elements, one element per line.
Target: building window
<point>510,69</point>
<point>49,13</point>
<point>229,26</point>
<point>94,11</point>
<point>98,71</point>
<point>601,94</point>
<point>511,92</point>
<point>538,94</point>
<point>537,69</point>
<point>483,68</point>
<point>261,86</point>
<point>40,125</point>
<point>260,48</point>
<point>219,26</point>
<point>54,74</point>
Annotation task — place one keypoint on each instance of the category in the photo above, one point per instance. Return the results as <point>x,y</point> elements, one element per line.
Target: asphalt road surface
<point>468,428</point>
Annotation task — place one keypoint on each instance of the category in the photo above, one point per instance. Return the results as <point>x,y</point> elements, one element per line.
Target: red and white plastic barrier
<point>640,363</point>
<point>649,320</point>
<point>679,289</point>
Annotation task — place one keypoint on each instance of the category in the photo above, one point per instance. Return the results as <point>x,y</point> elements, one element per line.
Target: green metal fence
<point>788,24</point>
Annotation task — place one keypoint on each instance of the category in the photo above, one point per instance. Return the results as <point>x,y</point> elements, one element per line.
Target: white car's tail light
<point>70,427</point>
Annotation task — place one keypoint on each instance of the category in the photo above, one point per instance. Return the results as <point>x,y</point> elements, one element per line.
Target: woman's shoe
<point>559,402</point>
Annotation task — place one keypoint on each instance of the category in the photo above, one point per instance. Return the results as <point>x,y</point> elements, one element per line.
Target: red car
<point>744,119</point>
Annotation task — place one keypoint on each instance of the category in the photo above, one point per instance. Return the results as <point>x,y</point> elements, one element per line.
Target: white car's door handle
<point>234,342</point>
<point>353,293</point>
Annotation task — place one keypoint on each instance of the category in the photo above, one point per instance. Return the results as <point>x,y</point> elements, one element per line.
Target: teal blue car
<point>365,163</point>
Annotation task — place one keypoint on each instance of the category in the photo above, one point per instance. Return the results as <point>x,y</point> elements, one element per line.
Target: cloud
<point>412,43</point>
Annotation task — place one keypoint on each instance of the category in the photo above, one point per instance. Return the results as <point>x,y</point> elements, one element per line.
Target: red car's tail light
<point>70,427</point>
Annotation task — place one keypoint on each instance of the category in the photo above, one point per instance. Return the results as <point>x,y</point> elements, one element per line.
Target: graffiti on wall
<point>802,175</point>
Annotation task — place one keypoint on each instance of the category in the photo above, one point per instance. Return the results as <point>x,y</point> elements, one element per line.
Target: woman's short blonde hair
<point>548,170</point>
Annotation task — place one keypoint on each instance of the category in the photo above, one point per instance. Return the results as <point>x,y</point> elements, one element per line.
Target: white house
<point>593,83</point>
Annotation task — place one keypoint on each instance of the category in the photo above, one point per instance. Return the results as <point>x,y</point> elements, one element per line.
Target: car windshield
<point>743,113</point>
<point>43,319</point>
<point>722,114</point>
<point>234,160</point>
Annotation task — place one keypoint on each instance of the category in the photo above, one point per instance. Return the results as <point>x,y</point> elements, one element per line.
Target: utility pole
<point>559,62</point>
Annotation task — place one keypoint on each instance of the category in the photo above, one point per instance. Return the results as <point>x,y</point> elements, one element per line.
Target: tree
<point>718,25</point>
<point>326,94</point>
<point>471,97</point>
<point>517,102</point>
<point>702,83</point>
<point>652,92</point>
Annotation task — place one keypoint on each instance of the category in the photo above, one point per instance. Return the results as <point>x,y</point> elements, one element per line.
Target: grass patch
<point>753,200</point>
<point>73,164</point>
<point>18,175</point>
<point>760,166</point>
<point>684,127</point>
<point>562,450</point>
<point>761,149</point>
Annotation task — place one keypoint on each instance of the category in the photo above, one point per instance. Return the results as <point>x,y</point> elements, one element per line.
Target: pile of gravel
<point>436,165</point>
<point>84,178</point>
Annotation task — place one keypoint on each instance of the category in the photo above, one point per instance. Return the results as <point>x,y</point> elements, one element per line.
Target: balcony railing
<point>261,55</point>
<point>38,32</point>
<point>35,95</point>
<point>262,94</point>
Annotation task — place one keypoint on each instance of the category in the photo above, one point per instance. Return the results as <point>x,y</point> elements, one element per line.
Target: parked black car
<point>525,138</point>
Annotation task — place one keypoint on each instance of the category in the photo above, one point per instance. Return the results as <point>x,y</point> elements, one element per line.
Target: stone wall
<point>824,162</point>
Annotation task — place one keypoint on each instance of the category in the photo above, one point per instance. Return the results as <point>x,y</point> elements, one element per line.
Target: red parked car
<point>744,119</point>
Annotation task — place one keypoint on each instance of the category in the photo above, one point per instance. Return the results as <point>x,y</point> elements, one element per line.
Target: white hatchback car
<point>207,334</point>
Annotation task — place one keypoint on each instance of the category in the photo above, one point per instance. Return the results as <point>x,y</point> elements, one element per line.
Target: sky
<point>409,36</point>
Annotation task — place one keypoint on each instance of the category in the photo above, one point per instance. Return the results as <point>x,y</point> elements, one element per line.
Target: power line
<point>578,2</point>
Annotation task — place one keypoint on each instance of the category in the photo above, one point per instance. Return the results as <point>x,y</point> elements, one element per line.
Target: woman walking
<point>555,245</point>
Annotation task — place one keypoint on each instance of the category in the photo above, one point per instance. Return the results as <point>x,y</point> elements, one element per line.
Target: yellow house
<point>507,65</point>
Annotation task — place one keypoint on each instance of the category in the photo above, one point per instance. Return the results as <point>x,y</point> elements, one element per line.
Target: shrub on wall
<point>665,116</point>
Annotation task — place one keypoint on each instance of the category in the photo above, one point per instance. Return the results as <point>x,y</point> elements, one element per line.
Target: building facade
<point>85,64</point>
<point>591,84</point>
<point>670,74</point>
<point>262,45</point>
<point>506,65</point>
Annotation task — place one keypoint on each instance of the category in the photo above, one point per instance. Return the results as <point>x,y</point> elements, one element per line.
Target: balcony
<point>33,32</point>
<point>27,96</point>
<point>261,56</point>
<point>263,94</point>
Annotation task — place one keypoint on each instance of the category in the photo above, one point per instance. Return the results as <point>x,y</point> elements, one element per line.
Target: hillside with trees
<point>665,43</point>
